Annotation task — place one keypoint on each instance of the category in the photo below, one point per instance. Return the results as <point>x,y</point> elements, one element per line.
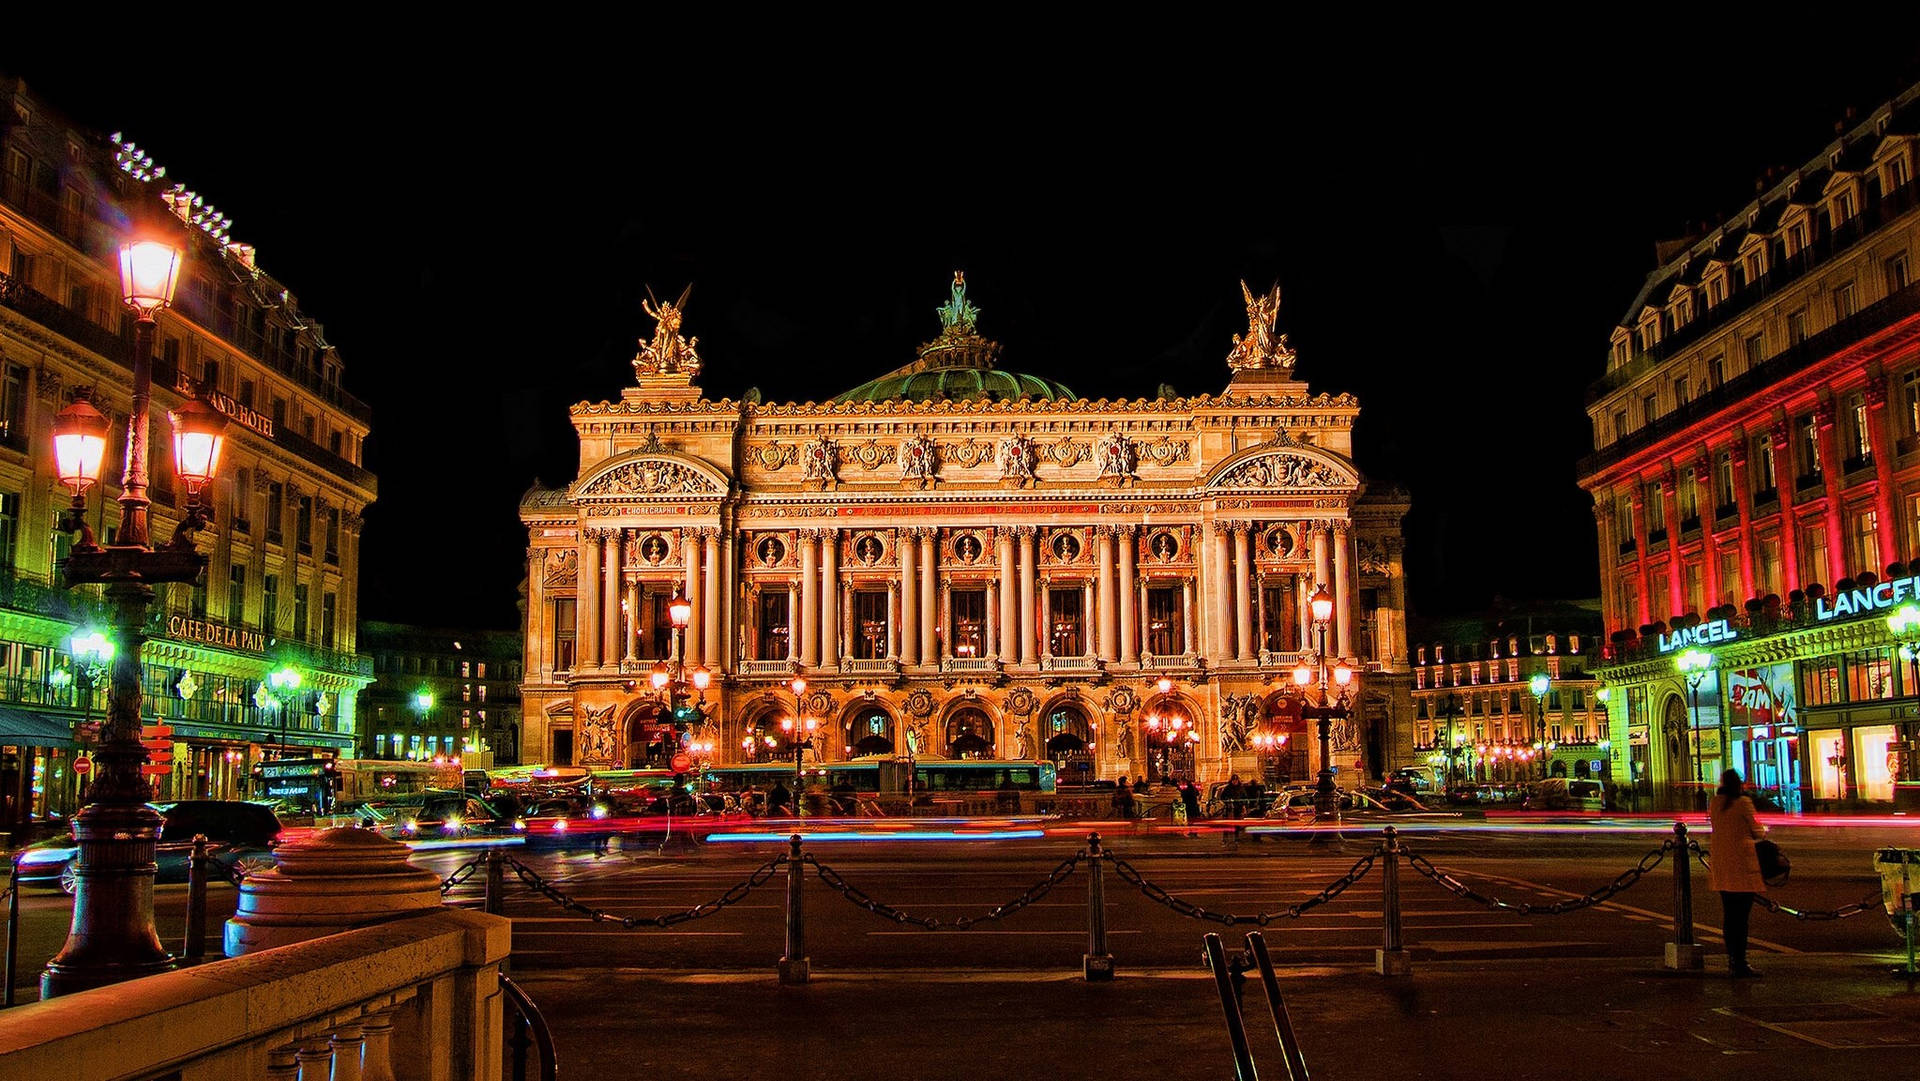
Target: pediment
<point>1289,467</point>
<point>648,473</point>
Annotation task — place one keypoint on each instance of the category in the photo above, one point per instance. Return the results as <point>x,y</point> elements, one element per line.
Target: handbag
<point>1774,864</point>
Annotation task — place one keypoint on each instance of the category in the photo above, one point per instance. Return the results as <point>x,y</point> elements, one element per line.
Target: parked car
<point>240,834</point>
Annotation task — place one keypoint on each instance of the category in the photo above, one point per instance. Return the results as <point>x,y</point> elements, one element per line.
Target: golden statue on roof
<point>1261,347</point>
<point>668,352</point>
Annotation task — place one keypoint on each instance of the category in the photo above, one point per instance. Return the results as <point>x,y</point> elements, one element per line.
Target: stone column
<point>1782,435</point>
<point>893,620</point>
<point>1129,621</point>
<point>1396,643</point>
<point>1187,644</point>
<point>1609,557</point>
<point>1108,609</point>
<point>909,597</point>
<point>1303,608</point>
<point>1881,443</point>
<point>1743,503</point>
<point>1322,559</point>
<point>713,652</point>
<point>1832,471</point>
<point>1342,589</point>
<point>1086,619</point>
<point>610,595</point>
<point>1220,596</point>
<point>1026,535</point>
<point>992,617</point>
<point>633,619</point>
<point>793,621</point>
<point>945,623</point>
<point>1242,600</point>
<point>807,625</point>
<point>829,598</point>
<point>690,547</point>
<point>587,600</point>
<point>1008,614</point>
<point>929,651</point>
<point>1709,552</point>
<point>734,629</point>
<point>1676,577</point>
<point>1642,579</point>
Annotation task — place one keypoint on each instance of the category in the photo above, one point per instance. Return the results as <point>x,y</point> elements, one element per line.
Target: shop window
<point>1820,682</point>
<point>1869,676</point>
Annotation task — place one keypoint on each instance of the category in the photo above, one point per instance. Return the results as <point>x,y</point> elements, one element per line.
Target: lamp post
<point>672,680</point>
<point>799,730</point>
<point>1695,664</point>
<point>1333,703</point>
<point>113,936</point>
<point>92,654</point>
<point>1452,747</point>
<point>1538,684</point>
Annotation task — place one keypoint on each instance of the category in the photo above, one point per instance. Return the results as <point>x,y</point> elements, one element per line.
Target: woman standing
<point>1736,866</point>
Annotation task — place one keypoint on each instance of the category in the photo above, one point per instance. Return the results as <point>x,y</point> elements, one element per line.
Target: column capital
<point>1823,412</point>
<point>1738,452</point>
<point>1025,532</point>
<point>1876,391</point>
<point>810,534</point>
<point>1341,527</point>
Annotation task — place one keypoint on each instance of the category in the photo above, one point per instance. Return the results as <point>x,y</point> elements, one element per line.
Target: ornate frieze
<point>1282,470</point>
<point>650,476</point>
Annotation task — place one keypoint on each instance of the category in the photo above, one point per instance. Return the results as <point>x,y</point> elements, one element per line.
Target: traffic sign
<point>682,763</point>
<point>82,766</point>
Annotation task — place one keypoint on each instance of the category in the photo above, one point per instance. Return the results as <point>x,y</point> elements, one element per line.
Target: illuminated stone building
<point>967,561</point>
<point>279,592</point>
<point>1758,460</point>
<point>439,693</point>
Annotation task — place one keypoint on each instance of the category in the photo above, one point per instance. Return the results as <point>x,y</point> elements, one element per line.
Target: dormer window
<point>1716,289</point>
<point>1842,207</point>
<point>1894,174</point>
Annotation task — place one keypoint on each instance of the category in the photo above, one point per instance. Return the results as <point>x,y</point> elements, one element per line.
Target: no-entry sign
<point>82,766</point>
<point>682,763</point>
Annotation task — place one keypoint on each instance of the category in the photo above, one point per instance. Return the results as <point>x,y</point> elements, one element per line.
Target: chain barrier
<point>532,880</point>
<point>462,873</point>
<point>1870,903</point>
<point>861,899</point>
<point>1128,873</point>
<point>1623,882</point>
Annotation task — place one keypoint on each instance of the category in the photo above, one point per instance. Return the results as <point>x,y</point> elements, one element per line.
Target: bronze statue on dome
<point>958,311</point>
<point>1261,347</point>
<point>668,352</point>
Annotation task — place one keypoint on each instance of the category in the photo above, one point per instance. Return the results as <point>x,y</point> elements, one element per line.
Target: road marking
<point>1078,933</point>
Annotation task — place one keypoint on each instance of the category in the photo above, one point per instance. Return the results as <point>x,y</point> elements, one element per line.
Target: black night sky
<point>1456,231</point>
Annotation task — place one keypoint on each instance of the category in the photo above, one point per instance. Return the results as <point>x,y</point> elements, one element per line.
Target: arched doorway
<point>1171,736</point>
<point>648,743</point>
<point>1282,742</point>
<point>969,733</point>
<point>869,732</point>
<point>1674,726</point>
<point>1069,743</point>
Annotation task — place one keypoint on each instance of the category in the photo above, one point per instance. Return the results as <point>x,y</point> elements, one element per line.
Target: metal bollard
<point>1391,959</point>
<point>1683,952</point>
<point>1097,965</point>
<point>13,930</point>
<point>793,967</point>
<point>1223,982</point>
<point>1277,1007</point>
<point>496,882</point>
<point>196,944</point>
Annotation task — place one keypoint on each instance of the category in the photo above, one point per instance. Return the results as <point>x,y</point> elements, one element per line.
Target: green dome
<point>946,384</point>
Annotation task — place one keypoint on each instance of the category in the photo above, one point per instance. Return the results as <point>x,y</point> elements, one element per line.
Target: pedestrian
<point>1231,795</point>
<point>778,799</point>
<point>1190,795</point>
<point>1123,799</point>
<point>1735,869</point>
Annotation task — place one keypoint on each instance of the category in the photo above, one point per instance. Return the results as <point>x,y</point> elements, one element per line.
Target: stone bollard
<point>338,880</point>
<point>794,967</point>
<point>1097,965</point>
<point>1683,952</point>
<point>1391,959</point>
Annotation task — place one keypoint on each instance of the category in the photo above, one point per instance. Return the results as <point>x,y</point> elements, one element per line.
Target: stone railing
<point>781,667</point>
<point>870,666</point>
<point>970,664</point>
<point>423,992</point>
<point>1051,663</point>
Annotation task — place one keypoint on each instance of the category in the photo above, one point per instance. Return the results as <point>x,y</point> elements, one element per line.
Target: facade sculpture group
<point>966,561</point>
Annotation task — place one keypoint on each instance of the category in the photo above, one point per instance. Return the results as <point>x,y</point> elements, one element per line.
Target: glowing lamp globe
<point>199,433</point>
<point>1538,684</point>
<point>679,610</point>
<point>79,445</point>
<point>659,676</point>
<point>799,686</point>
<point>149,270</point>
<point>1343,673</point>
<point>701,677</point>
<point>1302,675</point>
<point>1322,605</point>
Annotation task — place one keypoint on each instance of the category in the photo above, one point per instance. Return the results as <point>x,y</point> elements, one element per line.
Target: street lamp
<point>1538,685</point>
<point>1451,747</point>
<point>799,730</point>
<point>680,691</point>
<point>1905,625</point>
<point>1695,664</point>
<point>1333,702</point>
<point>112,937</point>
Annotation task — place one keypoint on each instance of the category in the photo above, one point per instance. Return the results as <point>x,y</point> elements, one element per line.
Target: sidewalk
<point>1811,1017</point>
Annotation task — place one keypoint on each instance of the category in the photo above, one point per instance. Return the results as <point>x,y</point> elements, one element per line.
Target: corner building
<point>1757,462</point>
<point>965,561</point>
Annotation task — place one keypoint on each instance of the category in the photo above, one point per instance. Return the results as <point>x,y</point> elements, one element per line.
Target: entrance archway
<point>1171,736</point>
<point>1681,788</point>
<point>969,733</point>
<point>647,744</point>
<point>869,732</point>
<point>1069,743</point>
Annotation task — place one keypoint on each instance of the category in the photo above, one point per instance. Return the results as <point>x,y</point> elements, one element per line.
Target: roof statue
<point>668,352</point>
<point>958,311</point>
<point>1261,348</point>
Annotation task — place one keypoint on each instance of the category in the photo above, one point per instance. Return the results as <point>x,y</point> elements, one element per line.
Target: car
<point>1359,803</point>
<point>443,814</point>
<point>240,836</point>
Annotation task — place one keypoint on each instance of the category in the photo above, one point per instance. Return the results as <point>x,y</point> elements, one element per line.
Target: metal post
<point>496,882</point>
<point>793,967</point>
<point>196,944</point>
<point>1097,965</point>
<point>1277,1006</point>
<point>1683,952</point>
<point>13,929</point>
<point>1391,959</point>
<point>1230,1006</point>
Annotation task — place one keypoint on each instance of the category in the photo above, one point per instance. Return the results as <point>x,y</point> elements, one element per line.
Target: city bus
<point>892,776</point>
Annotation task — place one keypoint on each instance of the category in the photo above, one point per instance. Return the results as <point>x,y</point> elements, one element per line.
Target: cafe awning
<point>25,728</point>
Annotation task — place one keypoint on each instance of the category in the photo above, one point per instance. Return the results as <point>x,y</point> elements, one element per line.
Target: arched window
<point>869,732</point>
<point>969,734</point>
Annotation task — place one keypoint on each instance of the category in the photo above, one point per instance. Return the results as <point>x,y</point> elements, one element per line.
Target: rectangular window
<point>327,603</point>
<point>276,509</point>
<point>1716,372</point>
<point>1729,560</point>
<point>1723,485</point>
<point>1863,551</point>
<point>9,528</point>
<point>1679,391</point>
<point>969,630</point>
<point>1279,624</point>
<point>333,535</point>
<point>1066,633</point>
<point>1696,587</point>
<point>1854,433</point>
<point>1766,565</point>
<point>237,594</point>
<point>269,604</point>
<point>303,525</point>
<point>773,625</point>
<point>1843,301</point>
<point>1807,451</point>
<point>300,611</point>
<point>13,406</point>
<point>1656,512</point>
<point>1755,349</point>
<point>565,627</point>
<point>1813,554</point>
<point>242,502</point>
<point>1869,675</point>
<point>871,633</point>
<point>1688,498</point>
<point>1164,630</point>
<point>1650,407</point>
<point>1796,327</point>
<point>1619,424</point>
<point>1820,682</point>
<point>1895,270</point>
